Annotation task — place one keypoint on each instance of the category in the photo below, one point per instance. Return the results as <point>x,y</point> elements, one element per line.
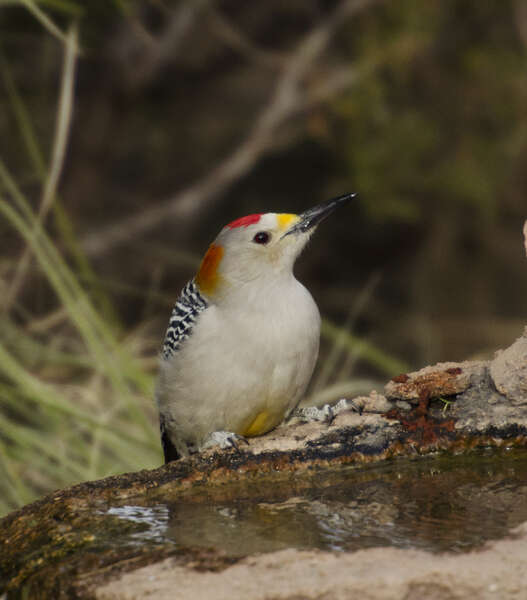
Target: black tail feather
<point>169,449</point>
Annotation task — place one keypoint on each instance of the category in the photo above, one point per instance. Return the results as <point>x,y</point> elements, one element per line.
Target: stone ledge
<point>496,571</point>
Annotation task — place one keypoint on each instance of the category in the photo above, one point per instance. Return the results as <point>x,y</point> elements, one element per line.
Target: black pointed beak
<point>313,216</point>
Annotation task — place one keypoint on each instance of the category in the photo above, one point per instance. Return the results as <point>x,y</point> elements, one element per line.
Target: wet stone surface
<point>305,487</point>
<point>436,504</point>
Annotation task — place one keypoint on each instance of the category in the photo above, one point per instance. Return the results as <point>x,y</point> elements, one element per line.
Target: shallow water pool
<point>444,503</point>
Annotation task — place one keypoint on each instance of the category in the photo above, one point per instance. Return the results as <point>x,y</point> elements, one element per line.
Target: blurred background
<point>132,131</point>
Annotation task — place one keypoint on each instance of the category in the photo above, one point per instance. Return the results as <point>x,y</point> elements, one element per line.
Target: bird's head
<point>259,248</point>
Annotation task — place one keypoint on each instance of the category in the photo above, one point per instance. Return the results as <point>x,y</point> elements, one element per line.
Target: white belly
<point>240,371</point>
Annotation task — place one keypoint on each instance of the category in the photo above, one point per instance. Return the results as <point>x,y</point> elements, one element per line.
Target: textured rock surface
<point>509,371</point>
<point>497,571</point>
<point>61,546</point>
<point>443,379</point>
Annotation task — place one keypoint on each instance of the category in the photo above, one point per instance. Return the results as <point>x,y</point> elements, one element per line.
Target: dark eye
<point>262,237</point>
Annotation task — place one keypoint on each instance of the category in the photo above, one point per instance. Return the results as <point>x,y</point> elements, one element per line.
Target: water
<point>438,504</point>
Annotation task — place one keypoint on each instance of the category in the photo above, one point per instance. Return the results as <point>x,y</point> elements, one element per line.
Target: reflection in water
<point>153,520</point>
<point>442,504</point>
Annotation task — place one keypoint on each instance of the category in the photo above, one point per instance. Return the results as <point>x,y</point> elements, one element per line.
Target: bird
<point>243,337</point>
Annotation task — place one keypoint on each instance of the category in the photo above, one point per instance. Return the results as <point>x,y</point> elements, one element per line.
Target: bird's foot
<point>223,439</point>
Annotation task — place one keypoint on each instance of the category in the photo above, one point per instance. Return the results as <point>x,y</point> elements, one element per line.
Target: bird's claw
<point>224,439</point>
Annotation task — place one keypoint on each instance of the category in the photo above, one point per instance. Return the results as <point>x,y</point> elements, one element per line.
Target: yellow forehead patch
<point>208,276</point>
<point>285,220</point>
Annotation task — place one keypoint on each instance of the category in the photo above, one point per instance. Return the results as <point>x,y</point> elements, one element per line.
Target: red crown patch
<point>245,221</point>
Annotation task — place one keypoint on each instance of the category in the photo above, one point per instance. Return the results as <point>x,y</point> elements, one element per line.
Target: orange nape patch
<point>208,276</point>
<point>285,220</point>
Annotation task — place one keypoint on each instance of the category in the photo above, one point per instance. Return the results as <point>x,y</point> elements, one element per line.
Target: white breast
<point>254,358</point>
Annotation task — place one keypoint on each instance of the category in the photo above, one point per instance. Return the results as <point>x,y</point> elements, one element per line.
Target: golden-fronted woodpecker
<point>243,337</point>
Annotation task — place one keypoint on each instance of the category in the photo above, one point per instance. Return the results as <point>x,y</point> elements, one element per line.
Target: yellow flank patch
<point>263,423</point>
<point>208,276</point>
<point>285,220</point>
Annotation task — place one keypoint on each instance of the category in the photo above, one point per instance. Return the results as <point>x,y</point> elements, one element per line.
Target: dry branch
<point>157,51</point>
<point>285,103</point>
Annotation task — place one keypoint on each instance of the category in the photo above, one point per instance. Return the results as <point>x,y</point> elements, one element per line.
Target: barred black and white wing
<point>188,306</point>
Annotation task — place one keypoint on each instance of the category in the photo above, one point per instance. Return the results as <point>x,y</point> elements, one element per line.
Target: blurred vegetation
<point>131,131</point>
